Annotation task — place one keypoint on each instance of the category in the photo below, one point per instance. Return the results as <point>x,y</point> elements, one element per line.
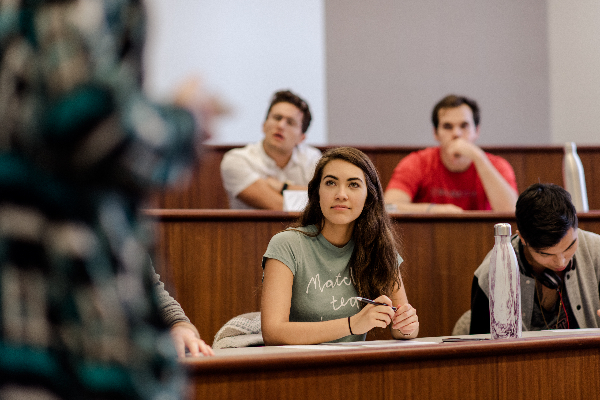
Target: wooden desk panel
<point>552,367</point>
<point>211,261</point>
<point>531,164</point>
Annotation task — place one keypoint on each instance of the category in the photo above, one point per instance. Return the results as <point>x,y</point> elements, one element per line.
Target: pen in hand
<point>363,300</point>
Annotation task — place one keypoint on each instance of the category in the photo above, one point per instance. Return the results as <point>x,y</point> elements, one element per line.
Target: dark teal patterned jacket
<point>80,148</point>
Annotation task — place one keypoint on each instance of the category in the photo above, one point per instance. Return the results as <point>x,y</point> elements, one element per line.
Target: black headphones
<point>549,278</point>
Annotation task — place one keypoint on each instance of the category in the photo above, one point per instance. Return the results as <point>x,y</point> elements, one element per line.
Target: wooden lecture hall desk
<point>531,164</point>
<point>210,261</point>
<point>541,365</point>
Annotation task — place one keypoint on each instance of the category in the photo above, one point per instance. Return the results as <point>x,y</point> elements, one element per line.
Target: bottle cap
<point>502,229</point>
<point>570,147</point>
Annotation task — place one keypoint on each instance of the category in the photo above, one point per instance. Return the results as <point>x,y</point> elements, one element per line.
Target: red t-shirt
<point>424,177</point>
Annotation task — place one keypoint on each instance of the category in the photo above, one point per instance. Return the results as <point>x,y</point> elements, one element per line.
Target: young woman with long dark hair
<point>342,247</point>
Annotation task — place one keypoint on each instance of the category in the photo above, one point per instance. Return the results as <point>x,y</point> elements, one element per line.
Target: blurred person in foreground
<point>80,148</point>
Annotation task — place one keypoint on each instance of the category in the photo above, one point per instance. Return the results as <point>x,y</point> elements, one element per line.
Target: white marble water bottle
<point>505,287</point>
<point>574,178</point>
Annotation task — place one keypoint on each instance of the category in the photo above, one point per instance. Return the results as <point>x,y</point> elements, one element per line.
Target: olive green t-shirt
<point>322,289</point>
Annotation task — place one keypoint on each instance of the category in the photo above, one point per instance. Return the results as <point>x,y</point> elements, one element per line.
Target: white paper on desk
<point>312,347</point>
<point>380,343</point>
<point>398,343</point>
<point>294,200</point>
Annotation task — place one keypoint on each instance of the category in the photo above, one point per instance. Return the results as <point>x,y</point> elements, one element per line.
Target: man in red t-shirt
<point>457,175</point>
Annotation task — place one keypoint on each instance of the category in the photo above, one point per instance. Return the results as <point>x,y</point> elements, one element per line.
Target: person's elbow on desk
<point>397,200</point>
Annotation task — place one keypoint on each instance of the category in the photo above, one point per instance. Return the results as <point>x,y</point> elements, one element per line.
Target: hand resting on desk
<point>185,335</point>
<point>404,320</point>
<point>372,316</point>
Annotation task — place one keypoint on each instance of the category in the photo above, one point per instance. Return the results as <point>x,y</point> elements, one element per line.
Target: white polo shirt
<point>242,167</point>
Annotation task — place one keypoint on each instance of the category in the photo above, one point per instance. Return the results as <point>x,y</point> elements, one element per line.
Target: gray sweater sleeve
<point>170,310</point>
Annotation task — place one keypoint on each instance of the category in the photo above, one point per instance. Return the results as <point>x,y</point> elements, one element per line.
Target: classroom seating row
<point>211,261</point>
<point>533,164</point>
<point>490,369</point>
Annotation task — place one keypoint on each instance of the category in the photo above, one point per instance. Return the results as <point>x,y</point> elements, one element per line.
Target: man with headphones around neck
<point>559,265</point>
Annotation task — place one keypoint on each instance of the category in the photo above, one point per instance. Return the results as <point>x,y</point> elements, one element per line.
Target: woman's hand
<point>372,316</point>
<point>406,320</point>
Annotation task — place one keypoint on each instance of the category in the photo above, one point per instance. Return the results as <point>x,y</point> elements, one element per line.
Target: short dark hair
<point>544,215</point>
<point>286,96</point>
<point>453,101</point>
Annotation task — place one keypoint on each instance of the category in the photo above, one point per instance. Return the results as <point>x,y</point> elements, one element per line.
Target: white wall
<point>244,51</point>
<point>389,62</point>
<point>372,71</point>
<point>574,37</point>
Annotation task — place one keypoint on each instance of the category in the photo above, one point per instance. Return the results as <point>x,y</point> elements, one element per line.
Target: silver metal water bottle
<point>505,287</point>
<point>574,178</point>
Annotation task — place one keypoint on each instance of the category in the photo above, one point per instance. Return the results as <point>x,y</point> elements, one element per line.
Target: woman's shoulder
<point>295,233</point>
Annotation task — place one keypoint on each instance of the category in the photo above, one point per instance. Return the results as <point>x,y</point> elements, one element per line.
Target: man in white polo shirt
<point>256,176</point>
